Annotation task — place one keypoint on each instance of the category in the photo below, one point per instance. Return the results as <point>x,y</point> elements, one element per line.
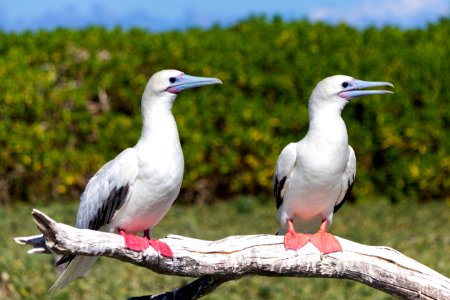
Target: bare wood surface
<point>215,262</point>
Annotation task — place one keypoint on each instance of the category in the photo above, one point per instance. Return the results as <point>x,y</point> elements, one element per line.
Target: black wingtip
<point>64,259</point>
<point>278,187</point>
<point>346,196</point>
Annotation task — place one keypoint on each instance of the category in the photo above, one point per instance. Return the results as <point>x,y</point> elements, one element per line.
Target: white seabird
<point>135,190</point>
<point>313,176</point>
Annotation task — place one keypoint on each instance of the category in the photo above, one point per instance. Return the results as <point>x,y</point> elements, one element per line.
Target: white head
<point>334,92</point>
<point>158,97</point>
<point>165,85</point>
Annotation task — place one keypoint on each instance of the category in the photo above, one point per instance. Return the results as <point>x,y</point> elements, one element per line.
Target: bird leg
<point>294,240</point>
<point>324,241</point>
<point>159,246</point>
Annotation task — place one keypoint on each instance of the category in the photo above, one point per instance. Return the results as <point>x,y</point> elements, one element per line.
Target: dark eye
<point>172,79</point>
<point>345,84</point>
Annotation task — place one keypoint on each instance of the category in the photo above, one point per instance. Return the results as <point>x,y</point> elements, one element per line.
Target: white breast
<point>316,179</point>
<point>157,185</point>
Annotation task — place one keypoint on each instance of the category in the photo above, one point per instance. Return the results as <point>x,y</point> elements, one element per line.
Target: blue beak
<point>354,89</point>
<point>184,82</point>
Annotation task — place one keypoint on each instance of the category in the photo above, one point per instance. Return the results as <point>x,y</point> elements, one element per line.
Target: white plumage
<point>313,175</point>
<point>134,191</point>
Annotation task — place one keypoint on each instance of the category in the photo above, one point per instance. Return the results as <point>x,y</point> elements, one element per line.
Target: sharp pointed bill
<point>135,190</point>
<point>314,176</point>
<point>183,82</point>
<point>353,88</point>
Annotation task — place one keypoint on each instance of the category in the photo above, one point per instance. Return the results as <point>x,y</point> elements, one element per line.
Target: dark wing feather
<point>106,192</point>
<point>104,214</point>
<point>285,165</point>
<point>346,196</point>
<point>278,187</point>
<point>64,259</point>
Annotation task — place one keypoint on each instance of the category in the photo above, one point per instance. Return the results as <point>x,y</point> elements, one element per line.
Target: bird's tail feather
<point>77,267</point>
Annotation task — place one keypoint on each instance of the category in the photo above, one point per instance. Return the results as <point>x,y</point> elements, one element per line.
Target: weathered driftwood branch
<point>215,262</point>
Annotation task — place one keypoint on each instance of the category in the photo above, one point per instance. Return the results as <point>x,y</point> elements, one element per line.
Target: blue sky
<point>19,15</point>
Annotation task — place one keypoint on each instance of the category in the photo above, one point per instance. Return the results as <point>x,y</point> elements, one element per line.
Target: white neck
<point>326,124</point>
<point>158,122</point>
<point>330,107</point>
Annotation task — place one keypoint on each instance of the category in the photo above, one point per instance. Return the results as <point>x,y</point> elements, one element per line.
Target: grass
<point>419,231</point>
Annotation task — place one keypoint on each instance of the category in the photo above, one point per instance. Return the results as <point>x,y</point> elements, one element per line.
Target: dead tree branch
<point>215,262</point>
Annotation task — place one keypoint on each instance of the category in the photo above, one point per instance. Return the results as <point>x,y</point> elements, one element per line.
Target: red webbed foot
<point>324,241</point>
<point>133,242</point>
<point>159,246</point>
<point>294,240</point>
<point>140,244</point>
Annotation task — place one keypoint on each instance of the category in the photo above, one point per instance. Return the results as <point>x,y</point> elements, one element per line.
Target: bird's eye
<point>172,79</point>
<point>345,84</point>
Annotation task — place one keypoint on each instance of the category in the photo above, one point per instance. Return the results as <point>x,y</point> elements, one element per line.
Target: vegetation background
<point>70,101</point>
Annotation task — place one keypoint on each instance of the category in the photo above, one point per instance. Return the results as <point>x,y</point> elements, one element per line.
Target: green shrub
<point>70,101</point>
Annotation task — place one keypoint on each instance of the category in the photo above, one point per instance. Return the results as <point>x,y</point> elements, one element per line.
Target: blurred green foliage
<point>70,101</point>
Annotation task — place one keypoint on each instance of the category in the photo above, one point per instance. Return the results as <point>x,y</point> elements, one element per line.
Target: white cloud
<point>402,12</point>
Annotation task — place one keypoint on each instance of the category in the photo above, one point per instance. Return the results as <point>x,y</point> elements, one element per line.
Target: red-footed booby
<point>313,176</point>
<point>135,190</point>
